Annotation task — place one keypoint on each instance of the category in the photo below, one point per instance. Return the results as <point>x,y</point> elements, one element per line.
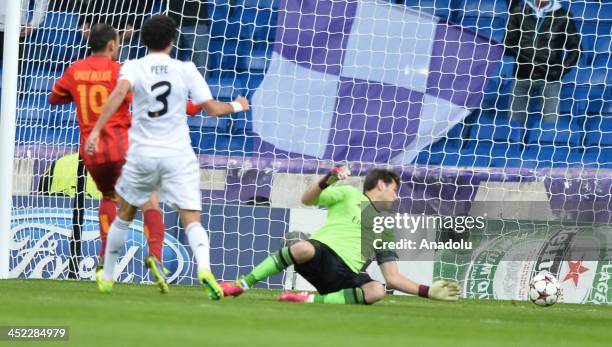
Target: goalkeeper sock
<point>154,229</point>
<point>343,297</point>
<point>116,239</point>
<point>273,264</point>
<point>107,211</point>
<point>198,241</point>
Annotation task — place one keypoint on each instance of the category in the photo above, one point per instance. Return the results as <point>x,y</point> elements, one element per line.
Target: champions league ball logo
<point>40,248</point>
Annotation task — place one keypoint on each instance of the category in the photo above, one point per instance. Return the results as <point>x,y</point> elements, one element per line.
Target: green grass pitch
<point>137,315</point>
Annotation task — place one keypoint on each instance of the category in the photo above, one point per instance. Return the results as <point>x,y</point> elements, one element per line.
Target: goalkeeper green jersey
<point>342,229</point>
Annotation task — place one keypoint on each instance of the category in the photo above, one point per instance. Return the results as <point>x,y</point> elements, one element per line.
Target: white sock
<point>114,244</point>
<point>198,241</point>
<point>244,285</point>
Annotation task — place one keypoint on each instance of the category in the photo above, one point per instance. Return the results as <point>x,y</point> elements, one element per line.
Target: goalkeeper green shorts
<point>328,273</point>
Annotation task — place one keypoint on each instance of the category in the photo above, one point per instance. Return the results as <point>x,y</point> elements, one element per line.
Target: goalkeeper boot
<point>104,286</point>
<point>211,287</point>
<point>294,297</point>
<point>232,288</point>
<point>159,272</point>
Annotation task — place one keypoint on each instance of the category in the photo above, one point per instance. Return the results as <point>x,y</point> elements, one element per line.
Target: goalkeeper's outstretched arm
<point>439,290</point>
<point>311,196</point>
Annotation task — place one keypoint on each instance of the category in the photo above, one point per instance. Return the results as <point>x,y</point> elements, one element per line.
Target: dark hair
<point>372,178</point>
<point>158,32</point>
<point>100,35</point>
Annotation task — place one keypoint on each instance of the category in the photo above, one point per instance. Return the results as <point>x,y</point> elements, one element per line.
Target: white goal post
<point>7,127</point>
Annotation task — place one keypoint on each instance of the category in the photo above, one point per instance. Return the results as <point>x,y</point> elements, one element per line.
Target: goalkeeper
<point>331,260</point>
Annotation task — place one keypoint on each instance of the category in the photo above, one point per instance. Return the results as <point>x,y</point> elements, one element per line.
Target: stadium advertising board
<point>503,266</point>
<point>499,267</point>
<point>40,246</point>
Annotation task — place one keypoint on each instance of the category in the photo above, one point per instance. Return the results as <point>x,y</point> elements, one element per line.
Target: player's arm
<point>192,109</point>
<point>115,99</point>
<point>216,108</point>
<point>60,94</point>
<point>311,196</point>
<point>59,97</point>
<point>439,290</point>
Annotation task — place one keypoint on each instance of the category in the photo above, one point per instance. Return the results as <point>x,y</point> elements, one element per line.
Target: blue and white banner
<point>40,248</point>
<point>366,81</point>
<point>240,237</point>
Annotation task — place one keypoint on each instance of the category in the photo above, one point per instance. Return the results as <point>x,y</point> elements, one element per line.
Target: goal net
<point>426,87</point>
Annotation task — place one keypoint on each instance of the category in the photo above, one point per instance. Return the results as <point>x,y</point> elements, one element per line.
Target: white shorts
<point>178,180</point>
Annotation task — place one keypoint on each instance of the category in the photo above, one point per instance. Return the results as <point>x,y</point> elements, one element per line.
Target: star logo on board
<point>575,269</point>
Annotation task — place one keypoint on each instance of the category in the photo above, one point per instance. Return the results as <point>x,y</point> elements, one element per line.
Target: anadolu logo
<point>40,248</point>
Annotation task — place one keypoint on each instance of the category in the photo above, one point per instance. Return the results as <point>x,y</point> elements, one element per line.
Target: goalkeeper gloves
<point>441,290</point>
<point>334,175</point>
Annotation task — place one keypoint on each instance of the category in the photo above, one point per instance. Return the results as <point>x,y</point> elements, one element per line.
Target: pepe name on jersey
<point>159,69</point>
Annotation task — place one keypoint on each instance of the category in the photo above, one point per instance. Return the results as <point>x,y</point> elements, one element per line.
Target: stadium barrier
<point>242,235</point>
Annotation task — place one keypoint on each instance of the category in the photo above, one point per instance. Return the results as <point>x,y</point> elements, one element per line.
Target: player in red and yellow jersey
<point>88,83</point>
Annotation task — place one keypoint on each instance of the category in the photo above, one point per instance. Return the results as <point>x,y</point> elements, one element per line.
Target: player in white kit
<point>160,154</point>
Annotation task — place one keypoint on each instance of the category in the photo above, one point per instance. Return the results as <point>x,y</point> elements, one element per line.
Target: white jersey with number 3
<point>161,86</point>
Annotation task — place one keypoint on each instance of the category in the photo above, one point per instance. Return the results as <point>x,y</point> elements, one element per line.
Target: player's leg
<point>200,246</point>
<point>115,242</point>
<point>180,188</point>
<point>107,211</point>
<point>367,294</point>
<point>105,175</point>
<point>154,226</point>
<point>298,253</point>
<point>335,282</point>
<point>138,180</point>
<point>154,231</point>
